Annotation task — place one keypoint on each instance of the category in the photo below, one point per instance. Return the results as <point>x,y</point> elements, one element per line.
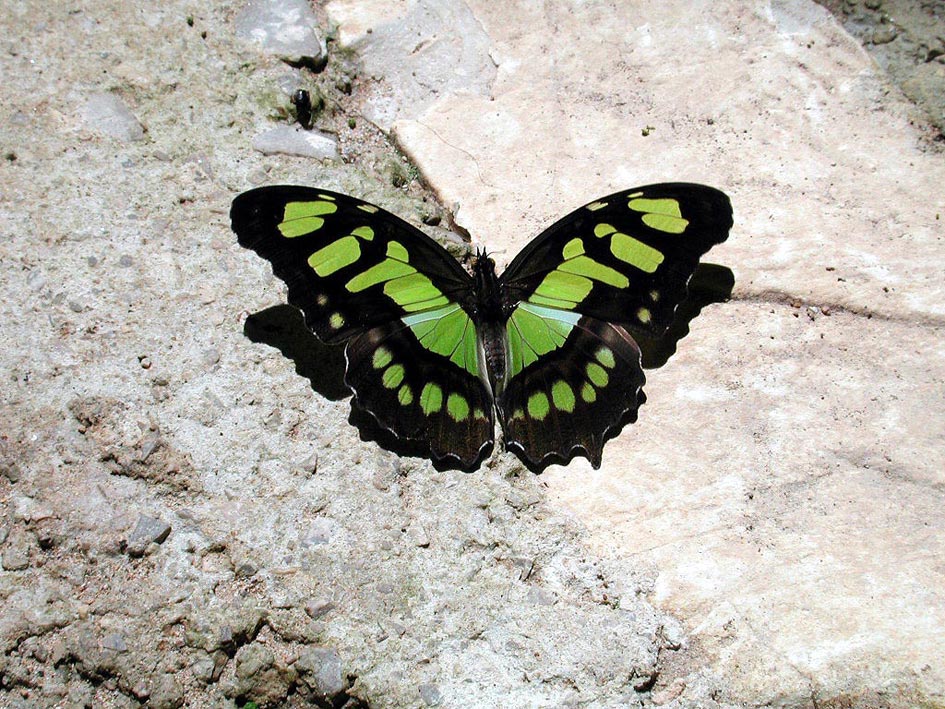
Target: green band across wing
<point>349,265</point>
<point>625,258</point>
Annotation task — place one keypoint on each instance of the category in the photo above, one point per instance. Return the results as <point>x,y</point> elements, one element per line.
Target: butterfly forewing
<point>624,258</point>
<point>397,299</point>
<point>349,265</point>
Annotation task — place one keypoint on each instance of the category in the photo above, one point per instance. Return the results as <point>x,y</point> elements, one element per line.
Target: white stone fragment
<point>284,28</point>
<point>293,140</point>
<point>107,114</point>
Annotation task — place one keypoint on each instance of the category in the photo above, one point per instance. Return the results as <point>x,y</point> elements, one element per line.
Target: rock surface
<point>767,534</point>
<point>283,28</point>
<point>782,477</point>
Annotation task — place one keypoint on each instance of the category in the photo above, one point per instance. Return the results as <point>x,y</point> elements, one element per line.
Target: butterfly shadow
<point>711,283</point>
<point>283,327</point>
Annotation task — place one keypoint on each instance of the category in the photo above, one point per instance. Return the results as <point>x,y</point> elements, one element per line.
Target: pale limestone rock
<point>786,475</point>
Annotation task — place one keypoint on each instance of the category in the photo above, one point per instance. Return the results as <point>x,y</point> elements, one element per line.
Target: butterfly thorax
<point>490,317</point>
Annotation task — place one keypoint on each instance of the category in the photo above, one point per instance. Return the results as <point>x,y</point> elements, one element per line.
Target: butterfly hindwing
<point>418,396</point>
<point>366,278</point>
<point>572,397</point>
<point>349,265</point>
<point>624,258</point>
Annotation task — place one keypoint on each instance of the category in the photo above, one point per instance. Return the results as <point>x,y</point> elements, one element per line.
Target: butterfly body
<point>435,354</point>
<point>490,314</point>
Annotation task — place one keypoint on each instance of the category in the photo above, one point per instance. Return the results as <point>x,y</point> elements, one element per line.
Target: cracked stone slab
<point>795,524</point>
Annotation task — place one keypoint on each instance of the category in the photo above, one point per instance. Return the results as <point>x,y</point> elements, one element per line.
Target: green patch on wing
<point>662,214</point>
<point>534,331</point>
<point>305,217</point>
<point>571,282</point>
<point>630,250</point>
<point>447,331</point>
<point>403,283</point>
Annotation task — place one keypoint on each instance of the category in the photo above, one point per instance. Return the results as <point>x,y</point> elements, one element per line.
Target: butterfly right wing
<point>620,262</point>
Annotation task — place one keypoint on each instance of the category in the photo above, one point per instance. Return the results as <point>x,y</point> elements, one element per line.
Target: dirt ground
<point>168,535</point>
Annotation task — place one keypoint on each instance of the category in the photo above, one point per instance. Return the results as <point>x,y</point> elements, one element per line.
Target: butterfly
<point>436,353</point>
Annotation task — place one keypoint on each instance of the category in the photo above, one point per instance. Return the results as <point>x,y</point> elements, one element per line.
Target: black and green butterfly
<point>434,354</point>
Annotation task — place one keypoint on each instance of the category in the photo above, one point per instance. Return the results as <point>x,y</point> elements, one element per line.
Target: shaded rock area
<point>907,39</point>
<point>185,521</point>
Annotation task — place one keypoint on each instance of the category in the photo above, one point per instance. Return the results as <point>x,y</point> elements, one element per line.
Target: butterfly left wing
<point>366,278</point>
<point>620,262</point>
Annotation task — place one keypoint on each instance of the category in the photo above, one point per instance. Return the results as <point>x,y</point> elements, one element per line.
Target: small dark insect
<point>302,101</point>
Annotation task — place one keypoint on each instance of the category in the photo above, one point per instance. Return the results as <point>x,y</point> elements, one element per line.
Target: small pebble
<point>36,281</point>
<point>106,113</point>
<point>320,669</point>
<point>148,530</point>
<point>316,609</point>
<point>885,35</point>
<point>253,659</point>
<point>115,642</point>
<point>431,695</point>
<point>15,558</point>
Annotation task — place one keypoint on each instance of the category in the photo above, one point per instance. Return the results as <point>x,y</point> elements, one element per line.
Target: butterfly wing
<point>620,262</point>
<point>366,278</point>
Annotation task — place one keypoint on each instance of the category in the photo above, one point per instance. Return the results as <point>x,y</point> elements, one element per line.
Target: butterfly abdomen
<point>490,317</point>
<point>492,346</point>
